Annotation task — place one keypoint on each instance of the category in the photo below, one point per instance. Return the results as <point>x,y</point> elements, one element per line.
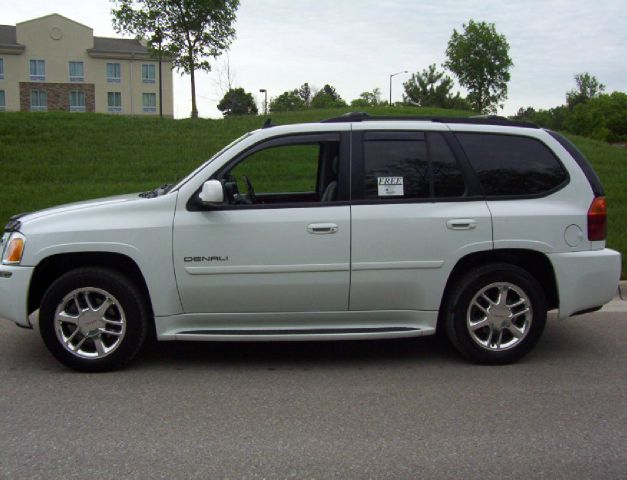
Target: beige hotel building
<point>53,63</point>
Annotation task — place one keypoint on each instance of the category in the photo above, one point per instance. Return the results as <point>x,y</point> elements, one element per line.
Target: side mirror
<point>212,192</point>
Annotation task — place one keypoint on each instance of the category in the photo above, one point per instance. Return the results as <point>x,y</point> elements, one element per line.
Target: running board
<point>362,333</point>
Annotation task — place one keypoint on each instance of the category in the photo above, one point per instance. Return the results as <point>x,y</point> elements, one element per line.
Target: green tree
<point>479,58</point>
<point>432,88</point>
<point>237,102</point>
<point>191,31</point>
<point>304,92</point>
<point>327,98</point>
<point>368,99</point>
<point>588,87</point>
<point>287,102</point>
<point>603,117</point>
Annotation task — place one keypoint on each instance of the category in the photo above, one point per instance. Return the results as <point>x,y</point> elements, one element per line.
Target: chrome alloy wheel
<point>90,323</point>
<point>499,316</point>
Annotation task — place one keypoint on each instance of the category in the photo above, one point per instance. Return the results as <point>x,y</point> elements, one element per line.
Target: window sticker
<point>390,186</point>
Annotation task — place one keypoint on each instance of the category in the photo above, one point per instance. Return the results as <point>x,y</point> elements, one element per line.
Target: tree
<point>479,58</point>
<point>603,117</point>
<point>237,102</point>
<point>224,75</point>
<point>190,30</point>
<point>432,88</point>
<point>287,102</point>
<point>304,92</point>
<point>588,87</point>
<point>368,99</point>
<point>327,98</point>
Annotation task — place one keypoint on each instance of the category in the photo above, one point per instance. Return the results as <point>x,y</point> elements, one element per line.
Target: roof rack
<point>475,120</point>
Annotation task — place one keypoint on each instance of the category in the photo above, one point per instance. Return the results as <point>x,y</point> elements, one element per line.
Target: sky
<point>355,45</point>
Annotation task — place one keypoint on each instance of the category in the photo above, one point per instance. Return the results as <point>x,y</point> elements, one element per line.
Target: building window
<point>1,68</point>
<point>77,101</point>
<point>149,102</point>
<point>77,73</point>
<point>2,104</point>
<point>114,101</point>
<point>38,100</point>
<point>148,73</point>
<point>114,72</point>
<point>38,70</point>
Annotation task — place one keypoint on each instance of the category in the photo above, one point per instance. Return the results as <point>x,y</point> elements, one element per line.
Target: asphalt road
<point>386,409</point>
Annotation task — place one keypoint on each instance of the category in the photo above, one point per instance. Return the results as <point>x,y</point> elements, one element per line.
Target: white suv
<point>356,228</point>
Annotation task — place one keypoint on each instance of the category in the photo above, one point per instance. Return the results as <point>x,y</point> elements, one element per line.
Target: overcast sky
<point>356,44</point>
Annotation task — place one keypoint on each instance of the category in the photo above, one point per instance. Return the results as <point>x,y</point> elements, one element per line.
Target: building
<point>53,63</point>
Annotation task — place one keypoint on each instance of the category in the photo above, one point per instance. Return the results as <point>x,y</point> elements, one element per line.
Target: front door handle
<point>322,228</point>
<point>462,224</point>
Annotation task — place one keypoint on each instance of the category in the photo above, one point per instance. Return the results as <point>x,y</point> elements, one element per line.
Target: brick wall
<point>58,95</point>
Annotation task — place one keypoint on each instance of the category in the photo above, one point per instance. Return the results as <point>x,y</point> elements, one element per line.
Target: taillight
<point>597,219</point>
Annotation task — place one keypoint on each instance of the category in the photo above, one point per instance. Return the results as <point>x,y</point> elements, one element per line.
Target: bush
<point>602,118</point>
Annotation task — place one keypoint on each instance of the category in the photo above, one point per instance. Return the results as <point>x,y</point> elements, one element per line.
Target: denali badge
<point>206,259</point>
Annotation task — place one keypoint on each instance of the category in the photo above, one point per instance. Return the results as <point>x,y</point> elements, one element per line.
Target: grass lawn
<point>52,158</point>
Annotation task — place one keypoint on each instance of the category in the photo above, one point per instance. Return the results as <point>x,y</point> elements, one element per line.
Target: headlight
<point>13,248</point>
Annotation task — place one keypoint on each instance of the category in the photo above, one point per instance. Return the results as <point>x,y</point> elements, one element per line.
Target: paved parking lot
<point>389,409</point>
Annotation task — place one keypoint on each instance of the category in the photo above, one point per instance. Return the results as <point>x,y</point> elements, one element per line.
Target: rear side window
<point>509,165</point>
<point>410,166</point>
<point>583,163</point>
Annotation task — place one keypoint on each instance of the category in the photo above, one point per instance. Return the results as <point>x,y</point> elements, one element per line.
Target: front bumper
<point>14,284</point>
<point>585,279</point>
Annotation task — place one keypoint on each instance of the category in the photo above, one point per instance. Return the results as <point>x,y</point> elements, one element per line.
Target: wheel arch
<point>52,267</point>
<point>535,263</point>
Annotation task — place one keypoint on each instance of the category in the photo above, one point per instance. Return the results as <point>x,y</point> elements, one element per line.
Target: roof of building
<point>118,45</point>
<point>8,35</point>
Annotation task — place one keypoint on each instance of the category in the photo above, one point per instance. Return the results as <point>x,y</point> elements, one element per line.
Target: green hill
<point>52,158</point>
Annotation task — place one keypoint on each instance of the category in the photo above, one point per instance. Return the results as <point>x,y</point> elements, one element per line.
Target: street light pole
<point>265,102</point>
<point>391,76</point>
<point>159,39</point>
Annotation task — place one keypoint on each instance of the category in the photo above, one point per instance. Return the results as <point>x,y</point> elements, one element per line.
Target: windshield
<point>229,146</point>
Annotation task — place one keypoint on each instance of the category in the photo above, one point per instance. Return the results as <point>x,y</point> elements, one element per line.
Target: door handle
<point>322,228</point>
<point>461,224</point>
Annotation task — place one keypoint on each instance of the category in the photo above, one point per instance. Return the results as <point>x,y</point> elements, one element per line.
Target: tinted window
<point>583,163</point>
<point>401,164</point>
<point>396,168</point>
<point>448,180</point>
<point>508,165</point>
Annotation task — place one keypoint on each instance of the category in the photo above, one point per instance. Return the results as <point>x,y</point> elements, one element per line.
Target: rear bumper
<point>14,283</point>
<point>585,279</point>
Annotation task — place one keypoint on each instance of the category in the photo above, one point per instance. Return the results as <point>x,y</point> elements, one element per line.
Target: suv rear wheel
<point>495,314</point>
<point>93,319</point>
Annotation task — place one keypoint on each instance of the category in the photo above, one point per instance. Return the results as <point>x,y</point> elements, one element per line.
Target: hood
<point>70,207</point>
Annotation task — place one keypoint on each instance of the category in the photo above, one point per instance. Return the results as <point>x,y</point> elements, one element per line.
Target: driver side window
<point>293,173</point>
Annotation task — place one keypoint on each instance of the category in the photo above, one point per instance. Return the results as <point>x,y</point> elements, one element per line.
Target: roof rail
<point>475,120</point>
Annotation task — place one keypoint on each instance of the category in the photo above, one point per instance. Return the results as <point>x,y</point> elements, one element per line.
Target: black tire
<point>134,315</point>
<point>458,314</point>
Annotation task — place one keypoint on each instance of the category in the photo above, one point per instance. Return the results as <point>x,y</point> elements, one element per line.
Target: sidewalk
<point>619,303</point>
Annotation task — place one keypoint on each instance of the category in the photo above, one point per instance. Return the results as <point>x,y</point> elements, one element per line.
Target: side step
<point>301,334</point>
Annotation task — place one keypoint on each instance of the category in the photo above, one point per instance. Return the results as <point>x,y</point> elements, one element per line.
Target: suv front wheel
<point>495,314</point>
<point>93,319</point>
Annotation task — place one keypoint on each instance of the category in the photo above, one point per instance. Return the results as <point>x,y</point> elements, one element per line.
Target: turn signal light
<point>597,219</point>
<point>14,250</point>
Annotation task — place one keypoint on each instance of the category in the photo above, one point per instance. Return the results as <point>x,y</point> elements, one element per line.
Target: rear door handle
<point>322,228</point>
<point>461,224</point>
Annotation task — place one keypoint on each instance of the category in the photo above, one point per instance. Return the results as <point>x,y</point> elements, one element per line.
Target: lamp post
<point>159,39</point>
<point>265,101</point>
<point>391,76</point>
